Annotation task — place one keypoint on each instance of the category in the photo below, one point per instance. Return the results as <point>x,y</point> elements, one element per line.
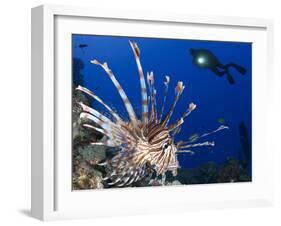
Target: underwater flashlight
<point>201,60</point>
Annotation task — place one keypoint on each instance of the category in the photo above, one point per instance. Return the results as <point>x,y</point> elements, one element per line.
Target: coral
<point>232,171</point>
<point>206,173</point>
<point>92,153</point>
<point>86,177</point>
<point>85,155</point>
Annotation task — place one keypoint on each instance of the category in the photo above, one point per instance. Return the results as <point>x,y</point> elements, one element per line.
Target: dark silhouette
<point>81,46</point>
<point>206,59</point>
<point>245,145</point>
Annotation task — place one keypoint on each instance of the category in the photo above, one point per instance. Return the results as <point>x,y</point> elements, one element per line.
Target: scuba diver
<point>206,59</point>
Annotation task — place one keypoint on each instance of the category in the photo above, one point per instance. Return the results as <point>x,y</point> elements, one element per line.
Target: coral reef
<point>230,171</point>
<point>84,155</point>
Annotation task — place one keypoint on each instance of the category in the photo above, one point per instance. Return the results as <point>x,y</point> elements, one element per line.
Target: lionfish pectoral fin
<point>104,163</point>
<point>94,112</point>
<point>185,151</point>
<point>206,143</point>
<point>183,143</point>
<point>106,127</point>
<point>91,94</point>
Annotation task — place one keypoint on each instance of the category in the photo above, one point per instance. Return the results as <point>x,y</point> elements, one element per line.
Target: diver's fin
<point>230,78</point>
<point>217,72</point>
<point>239,68</point>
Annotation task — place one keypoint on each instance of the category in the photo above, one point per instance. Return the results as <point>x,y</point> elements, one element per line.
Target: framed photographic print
<point>141,113</point>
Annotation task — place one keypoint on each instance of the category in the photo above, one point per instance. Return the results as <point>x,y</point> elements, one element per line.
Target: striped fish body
<point>141,156</point>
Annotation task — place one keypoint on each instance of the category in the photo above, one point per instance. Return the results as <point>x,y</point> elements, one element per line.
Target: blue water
<point>214,96</point>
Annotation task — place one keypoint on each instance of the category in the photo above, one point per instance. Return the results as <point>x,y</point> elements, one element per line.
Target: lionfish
<point>144,144</point>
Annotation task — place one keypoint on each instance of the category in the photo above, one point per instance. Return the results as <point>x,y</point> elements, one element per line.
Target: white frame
<point>43,111</point>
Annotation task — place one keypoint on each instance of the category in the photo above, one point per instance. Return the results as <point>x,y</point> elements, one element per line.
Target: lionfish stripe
<point>124,182</point>
<point>166,83</point>
<point>178,91</point>
<point>142,82</point>
<point>173,167</point>
<point>102,163</point>
<point>94,112</point>
<point>114,182</point>
<point>132,180</point>
<point>90,93</point>
<point>222,127</point>
<point>162,163</point>
<point>97,129</point>
<point>108,143</point>
<point>207,143</point>
<point>120,90</point>
<point>179,122</point>
<point>110,134</point>
<point>175,125</point>
<point>152,91</point>
<point>185,151</point>
<point>168,158</point>
<point>102,124</point>
<point>108,129</point>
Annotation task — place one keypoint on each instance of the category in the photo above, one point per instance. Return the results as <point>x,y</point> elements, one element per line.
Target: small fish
<point>221,120</point>
<point>193,137</point>
<point>81,46</point>
<point>204,58</point>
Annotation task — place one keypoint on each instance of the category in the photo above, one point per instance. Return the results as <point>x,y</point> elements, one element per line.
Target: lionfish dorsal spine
<point>125,99</point>
<point>180,121</point>
<point>166,83</point>
<point>144,101</point>
<point>152,91</point>
<point>178,91</point>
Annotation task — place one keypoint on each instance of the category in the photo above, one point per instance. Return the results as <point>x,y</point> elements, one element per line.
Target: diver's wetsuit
<point>211,62</point>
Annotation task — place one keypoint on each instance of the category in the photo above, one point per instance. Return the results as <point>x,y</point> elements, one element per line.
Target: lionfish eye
<point>165,146</point>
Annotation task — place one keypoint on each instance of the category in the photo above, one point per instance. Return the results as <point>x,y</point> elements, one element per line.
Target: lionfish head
<point>143,144</point>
